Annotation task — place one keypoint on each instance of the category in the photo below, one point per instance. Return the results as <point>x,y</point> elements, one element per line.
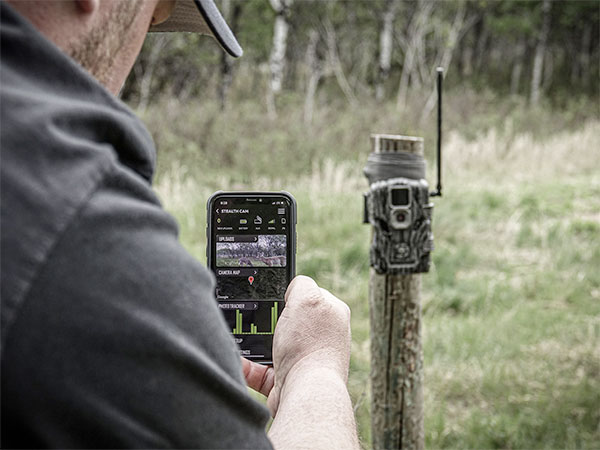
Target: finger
<point>258,377</point>
<point>302,287</point>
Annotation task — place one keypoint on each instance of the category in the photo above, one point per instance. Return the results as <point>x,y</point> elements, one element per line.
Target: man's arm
<point>120,343</point>
<point>314,411</point>
<point>306,388</point>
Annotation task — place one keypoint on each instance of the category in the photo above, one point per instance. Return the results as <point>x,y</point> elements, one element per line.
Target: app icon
<point>280,210</point>
<point>250,280</point>
<point>283,221</point>
<point>257,220</point>
<point>272,221</point>
<point>218,220</point>
<point>243,221</point>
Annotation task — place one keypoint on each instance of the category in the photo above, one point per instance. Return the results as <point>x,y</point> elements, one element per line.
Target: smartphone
<point>252,252</point>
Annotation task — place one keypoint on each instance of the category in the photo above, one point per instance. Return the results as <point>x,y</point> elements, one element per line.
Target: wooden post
<point>396,351</point>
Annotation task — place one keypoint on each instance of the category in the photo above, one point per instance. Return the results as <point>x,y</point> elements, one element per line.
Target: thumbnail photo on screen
<point>268,251</point>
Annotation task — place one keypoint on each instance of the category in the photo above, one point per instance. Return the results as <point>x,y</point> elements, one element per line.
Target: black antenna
<point>440,78</point>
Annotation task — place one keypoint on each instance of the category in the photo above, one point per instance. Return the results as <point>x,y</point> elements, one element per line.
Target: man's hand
<point>306,387</point>
<point>313,331</point>
<point>258,377</point>
<point>314,324</point>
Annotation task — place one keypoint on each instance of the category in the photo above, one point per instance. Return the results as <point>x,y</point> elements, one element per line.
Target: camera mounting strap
<point>382,166</point>
<point>389,161</point>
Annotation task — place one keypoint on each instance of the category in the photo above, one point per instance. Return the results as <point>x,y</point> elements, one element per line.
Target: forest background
<point>511,307</point>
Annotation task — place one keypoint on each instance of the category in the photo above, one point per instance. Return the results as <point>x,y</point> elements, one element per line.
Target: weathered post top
<point>392,143</point>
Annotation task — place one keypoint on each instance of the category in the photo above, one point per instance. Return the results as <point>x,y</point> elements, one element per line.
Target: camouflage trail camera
<point>397,204</point>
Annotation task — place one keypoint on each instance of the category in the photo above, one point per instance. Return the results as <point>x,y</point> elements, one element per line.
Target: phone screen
<point>252,239</point>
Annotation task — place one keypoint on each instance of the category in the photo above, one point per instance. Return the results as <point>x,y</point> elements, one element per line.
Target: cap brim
<point>201,16</point>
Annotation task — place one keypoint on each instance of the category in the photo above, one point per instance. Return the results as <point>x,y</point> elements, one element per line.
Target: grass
<point>512,320</point>
<point>511,307</point>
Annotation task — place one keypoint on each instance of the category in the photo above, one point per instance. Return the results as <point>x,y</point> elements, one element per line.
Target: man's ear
<point>162,11</point>
<point>87,6</point>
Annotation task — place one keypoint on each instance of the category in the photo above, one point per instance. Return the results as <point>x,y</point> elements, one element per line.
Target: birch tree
<point>314,63</point>
<point>385,47</point>
<point>444,59</point>
<point>231,14</point>
<point>411,43</point>
<point>146,76</point>
<point>335,63</point>
<point>278,50</point>
<point>515,76</point>
<point>540,50</point>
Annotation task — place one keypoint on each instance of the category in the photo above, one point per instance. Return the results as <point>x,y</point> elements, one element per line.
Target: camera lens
<point>400,216</point>
<point>400,196</point>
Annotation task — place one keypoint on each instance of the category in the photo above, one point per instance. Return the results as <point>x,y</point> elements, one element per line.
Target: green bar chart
<point>240,325</point>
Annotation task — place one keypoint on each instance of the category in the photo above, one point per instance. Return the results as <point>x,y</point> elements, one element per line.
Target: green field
<point>512,304</point>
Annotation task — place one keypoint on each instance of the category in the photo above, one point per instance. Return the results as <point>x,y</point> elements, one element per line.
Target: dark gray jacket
<point>110,332</point>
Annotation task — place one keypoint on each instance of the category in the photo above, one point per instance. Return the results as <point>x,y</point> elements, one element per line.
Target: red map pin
<point>251,279</point>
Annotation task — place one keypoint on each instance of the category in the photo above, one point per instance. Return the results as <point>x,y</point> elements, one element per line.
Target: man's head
<point>104,36</point>
<point>109,48</point>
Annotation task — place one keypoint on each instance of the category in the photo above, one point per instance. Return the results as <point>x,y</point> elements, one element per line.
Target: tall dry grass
<point>511,306</point>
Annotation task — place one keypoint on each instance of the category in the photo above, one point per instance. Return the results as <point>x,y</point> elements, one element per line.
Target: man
<point>110,332</point>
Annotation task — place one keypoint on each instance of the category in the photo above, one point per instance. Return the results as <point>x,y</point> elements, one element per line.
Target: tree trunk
<point>280,34</point>
<point>414,42</point>
<point>146,80</point>
<point>548,70</point>
<point>466,60</point>
<point>277,59</point>
<point>517,70</point>
<point>232,18</point>
<point>315,66</point>
<point>540,49</point>
<point>584,54</point>
<point>481,49</point>
<point>407,70</point>
<point>453,37</point>
<point>385,48</point>
<point>336,64</point>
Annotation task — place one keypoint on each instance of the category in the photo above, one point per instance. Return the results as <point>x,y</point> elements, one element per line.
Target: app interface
<point>252,250</point>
